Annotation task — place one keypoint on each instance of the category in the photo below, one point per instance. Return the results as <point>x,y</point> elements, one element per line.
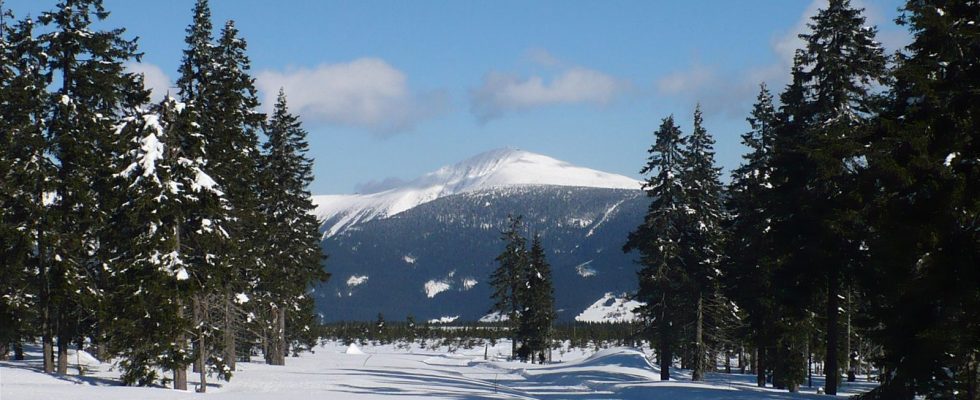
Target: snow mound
<point>434,287</point>
<point>444,320</point>
<point>356,280</point>
<point>610,308</point>
<point>352,349</point>
<point>617,357</point>
<point>495,316</point>
<point>492,169</point>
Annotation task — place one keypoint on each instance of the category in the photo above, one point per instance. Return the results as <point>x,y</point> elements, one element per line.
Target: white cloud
<point>733,92</point>
<point>501,93</point>
<point>367,93</point>
<point>153,78</point>
<point>691,79</point>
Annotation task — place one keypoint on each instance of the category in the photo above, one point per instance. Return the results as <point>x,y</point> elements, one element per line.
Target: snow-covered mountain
<point>493,169</point>
<point>427,248</point>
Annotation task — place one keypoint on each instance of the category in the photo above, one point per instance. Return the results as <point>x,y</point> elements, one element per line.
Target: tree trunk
<point>47,331</point>
<point>229,333</point>
<point>18,351</point>
<point>63,344</point>
<point>832,371</point>
<point>728,361</point>
<point>809,367</point>
<point>699,351</point>
<point>760,366</point>
<point>665,360</point>
<point>281,337</point>
<point>847,339</point>
<point>666,357</point>
<point>741,360</point>
<point>201,345</point>
<point>180,372</point>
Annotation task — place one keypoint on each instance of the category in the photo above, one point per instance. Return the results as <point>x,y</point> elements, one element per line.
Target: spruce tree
<point>702,240</point>
<point>749,268</point>
<point>539,308</point>
<point>30,177</point>
<point>658,240</point>
<point>507,280</point>
<point>25,175</point>
<point>198,85</point>
<point>923,284</point>
<point>828,103</point>
<point>173,204</point>
<point>92,91</point>
<point>293,254</point>
<point>234,152</point>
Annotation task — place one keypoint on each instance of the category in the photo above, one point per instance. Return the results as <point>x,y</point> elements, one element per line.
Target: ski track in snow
<point>605,216</point>
<point>337,371</point>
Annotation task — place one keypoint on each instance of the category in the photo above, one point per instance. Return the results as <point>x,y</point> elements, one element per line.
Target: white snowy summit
<point>492,169</point>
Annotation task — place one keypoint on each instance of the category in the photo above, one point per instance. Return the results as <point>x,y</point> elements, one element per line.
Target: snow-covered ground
<point>336,371</point>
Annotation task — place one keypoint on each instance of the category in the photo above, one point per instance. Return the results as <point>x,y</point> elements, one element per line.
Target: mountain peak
<point>495,168</point>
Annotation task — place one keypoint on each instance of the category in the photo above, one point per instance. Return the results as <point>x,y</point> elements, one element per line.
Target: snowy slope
<point>338,371</point>
<point>610,308</point>
<point>492,169</point>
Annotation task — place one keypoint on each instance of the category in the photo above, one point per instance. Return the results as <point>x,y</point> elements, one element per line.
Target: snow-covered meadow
<point>336,371</point>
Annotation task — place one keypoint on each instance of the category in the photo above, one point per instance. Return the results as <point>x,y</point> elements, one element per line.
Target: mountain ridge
<point>504,167</point>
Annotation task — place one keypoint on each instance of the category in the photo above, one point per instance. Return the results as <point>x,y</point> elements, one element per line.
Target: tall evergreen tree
<point>749,269</point>
<point>539,305</point>
<point>658,240</point>
<point>702,249</point>
<point>198,84</point>
<point>26,173</point>
<point>234,151</point>
<point>820,232</point>
<point>92,92</point>
<point>507,281</point>
<point>294,256</point>
<point>923,283</point>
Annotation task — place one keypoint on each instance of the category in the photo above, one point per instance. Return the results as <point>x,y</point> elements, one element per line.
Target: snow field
<point>406,371</point>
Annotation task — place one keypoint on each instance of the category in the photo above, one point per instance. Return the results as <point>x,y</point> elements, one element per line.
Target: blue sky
<point>393,89</point>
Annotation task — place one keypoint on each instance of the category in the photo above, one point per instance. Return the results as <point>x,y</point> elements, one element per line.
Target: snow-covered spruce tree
<point>702,242</point>
<point>293,255</point>
<point>539,304</point>
<point>173,207</point>
<point>91,91</point>
<point>749,269</point>
<point>25,177</point>
<point>507,280</point>
<point>658,240</point>
<point>198,71</point>
<point>923,282</point>
<point>215,78</point>
<point>8,316</point>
